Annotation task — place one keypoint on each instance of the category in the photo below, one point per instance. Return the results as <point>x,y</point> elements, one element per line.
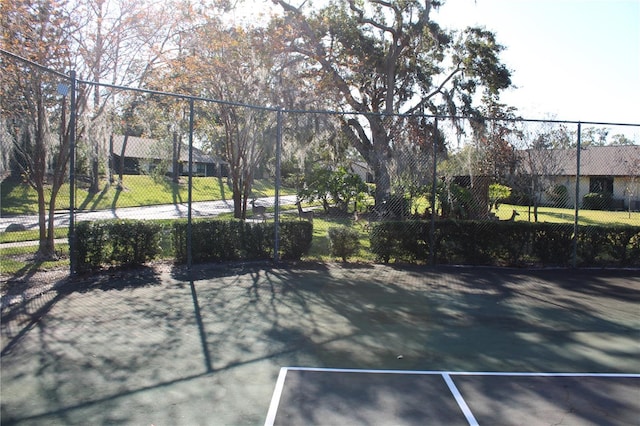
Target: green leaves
<point>339,186</point>
<point>479,53</point>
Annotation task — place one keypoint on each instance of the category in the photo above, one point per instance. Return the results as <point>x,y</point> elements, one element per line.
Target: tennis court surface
<point>163,346</point>
<point>304,396</point>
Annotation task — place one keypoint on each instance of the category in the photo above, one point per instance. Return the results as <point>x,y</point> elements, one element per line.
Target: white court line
<point>464,373</point>
<point>460,400</point>
<point>446,375</point>
<point>275,399</point>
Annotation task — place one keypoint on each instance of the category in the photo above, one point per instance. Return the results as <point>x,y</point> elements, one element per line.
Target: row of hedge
<point>130,242</point>
<point>219,241</point>
<point>505,243</point>
<point>116,242</point>
<point>127,242</point>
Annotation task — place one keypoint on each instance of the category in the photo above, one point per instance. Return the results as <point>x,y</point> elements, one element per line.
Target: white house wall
<point>620,187</point>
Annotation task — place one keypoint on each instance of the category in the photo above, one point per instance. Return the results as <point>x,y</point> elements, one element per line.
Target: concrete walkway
<point>165,211</point>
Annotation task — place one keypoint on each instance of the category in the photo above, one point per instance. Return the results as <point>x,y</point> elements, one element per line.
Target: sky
<point>575,60</point>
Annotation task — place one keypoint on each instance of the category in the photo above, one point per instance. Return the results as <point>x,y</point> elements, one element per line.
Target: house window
<point>601,184</point>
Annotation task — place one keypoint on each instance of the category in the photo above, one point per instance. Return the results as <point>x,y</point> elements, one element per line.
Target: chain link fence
<point>419,188</point>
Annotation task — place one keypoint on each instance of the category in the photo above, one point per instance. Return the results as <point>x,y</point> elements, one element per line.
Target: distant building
<point>611,169</point>
<point>135,155</point>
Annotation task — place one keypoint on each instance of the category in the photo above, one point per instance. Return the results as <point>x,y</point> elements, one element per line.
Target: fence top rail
<point>34,64</point>
<point>301,111</point>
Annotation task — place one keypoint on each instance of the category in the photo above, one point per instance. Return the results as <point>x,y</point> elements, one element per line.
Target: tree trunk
<point>375,152</point>
<point>237,202</point>
<point>51,224</point>
<point>95,172</point>
<point>111,166</point>
<point>236,193</point>
<point>379,159</point>
<point>122,153</point>
<point>175,175</point>
<point>45,246</point>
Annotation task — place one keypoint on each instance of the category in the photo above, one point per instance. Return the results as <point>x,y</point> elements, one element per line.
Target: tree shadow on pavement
<point>172,345</point>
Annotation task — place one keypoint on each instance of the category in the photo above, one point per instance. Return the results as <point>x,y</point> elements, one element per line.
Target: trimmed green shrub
<point>216,240</point>
<point>90,245</point>
<point>116,242</point>
<point>398,205</point>
<point>552,243</point>
<point>504,243</point>
<point>560,196</point>
<point>597,201</point>
<point>514,243</point>
<point>295,239</point>
<point>344,242</point>
<point>402,240</point>
<point>220,241</point>
<point>609,246</point>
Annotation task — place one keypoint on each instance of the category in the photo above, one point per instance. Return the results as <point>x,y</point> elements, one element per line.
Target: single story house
<point>135,155</point>
<point>612,169</point>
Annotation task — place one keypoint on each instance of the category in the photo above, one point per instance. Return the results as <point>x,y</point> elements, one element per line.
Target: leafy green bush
<point>608,246</point>
<point>216,240</point>
<point>560,196</point>
<point>398,205</point>
<point>211,240</point>
<point>401,240</point>
<point>505,243</point>
<point>497,194</point>
<point>552,243</point>
<point>597,201</point>
<point>295,239</point>
<point>382,240</point>
<point>340,186</point>
<point>118,242</point>
<point>344,242</point>
<point>90,245</point>
<point>220,241</point>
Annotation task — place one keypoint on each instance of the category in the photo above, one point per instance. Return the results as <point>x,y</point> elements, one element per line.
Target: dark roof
<point>595,161</point>
<point>153,149</point>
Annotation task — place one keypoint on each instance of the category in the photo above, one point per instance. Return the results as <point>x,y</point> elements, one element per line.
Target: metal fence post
<point>276,244</point>
<point>434,182</point>
<point>190,188</point>
<point>73,256</point>
<point>574,260</point>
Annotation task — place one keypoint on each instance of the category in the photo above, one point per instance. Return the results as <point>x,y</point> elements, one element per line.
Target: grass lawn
<point>138,190</point>
<point>15,260</point>
<point>320,244</point>
<point>21,261</point>
<point>557,215</point>
<point>32,235</point>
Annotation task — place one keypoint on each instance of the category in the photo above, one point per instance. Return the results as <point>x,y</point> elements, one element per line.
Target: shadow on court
<point>161,346</point>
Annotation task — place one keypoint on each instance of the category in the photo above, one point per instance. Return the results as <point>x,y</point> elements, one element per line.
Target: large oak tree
<point>380,58</point>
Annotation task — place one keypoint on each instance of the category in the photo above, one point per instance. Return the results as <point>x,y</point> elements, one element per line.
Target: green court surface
<point>159,346</point>
<point>305,396</point>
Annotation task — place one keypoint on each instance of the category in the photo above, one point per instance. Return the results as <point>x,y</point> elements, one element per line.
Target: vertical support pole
<point>434,182</point>
<point>190,188</point>
<point>73,255</point>
<point>574,255</point>
<point>276,239</point>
